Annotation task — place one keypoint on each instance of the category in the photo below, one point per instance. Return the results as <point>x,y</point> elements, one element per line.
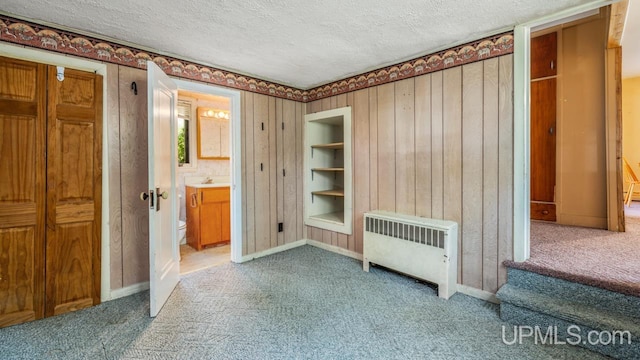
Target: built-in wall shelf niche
<point>328,179</point>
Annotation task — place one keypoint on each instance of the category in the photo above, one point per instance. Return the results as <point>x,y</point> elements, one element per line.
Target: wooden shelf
<point>328,169</point>
<point>328,179</point>
<point>334,217</point>
<point>334,192</point>
<point>337,145</point>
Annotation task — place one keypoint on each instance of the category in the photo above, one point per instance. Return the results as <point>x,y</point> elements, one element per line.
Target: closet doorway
<point>50,190</point>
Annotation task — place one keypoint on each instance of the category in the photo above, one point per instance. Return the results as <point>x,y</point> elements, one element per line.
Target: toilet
<point>182,233</point>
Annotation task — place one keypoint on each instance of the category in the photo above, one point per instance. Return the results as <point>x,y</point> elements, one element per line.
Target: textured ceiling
<point>292,42</point>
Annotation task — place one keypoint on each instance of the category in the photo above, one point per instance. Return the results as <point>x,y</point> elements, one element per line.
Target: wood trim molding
<point>49,38</point>
<point>478,294</point>
<point>129,290</point>
<point>335,249</point>
<point>273,250</point>
<point>617,20</point>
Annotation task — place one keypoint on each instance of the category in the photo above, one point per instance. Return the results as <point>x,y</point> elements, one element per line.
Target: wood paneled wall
<point>270,195</point>
<point>271,171</point>
<point>128,176</point>
<point>440,146</point>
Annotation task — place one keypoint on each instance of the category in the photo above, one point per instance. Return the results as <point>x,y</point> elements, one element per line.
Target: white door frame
<point>52,58</point>
<point>521,123</point>
<point>236,157</point>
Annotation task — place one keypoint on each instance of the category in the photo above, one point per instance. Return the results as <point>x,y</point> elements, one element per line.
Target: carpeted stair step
<point>598,298</point>
<point>572,311</point>
<point>518,316</point>
<point>521,306</point>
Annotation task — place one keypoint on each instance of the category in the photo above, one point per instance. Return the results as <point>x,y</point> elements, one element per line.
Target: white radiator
<point>423,248</point>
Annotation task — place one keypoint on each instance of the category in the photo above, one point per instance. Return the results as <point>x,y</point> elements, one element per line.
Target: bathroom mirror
<point>213,133</point>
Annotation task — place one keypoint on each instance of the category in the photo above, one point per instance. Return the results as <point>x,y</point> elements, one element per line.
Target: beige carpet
<point>600,258</point>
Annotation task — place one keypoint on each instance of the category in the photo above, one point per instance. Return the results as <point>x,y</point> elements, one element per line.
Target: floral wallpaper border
<point>65,42</point>
<point>484,49</point>
<point>47,38</point>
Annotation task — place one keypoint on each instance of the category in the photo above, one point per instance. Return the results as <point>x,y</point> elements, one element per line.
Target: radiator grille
<point>409,232</point>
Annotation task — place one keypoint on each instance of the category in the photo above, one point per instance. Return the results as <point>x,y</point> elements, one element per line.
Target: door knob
<point>144,196</point>
<point>160,195</point>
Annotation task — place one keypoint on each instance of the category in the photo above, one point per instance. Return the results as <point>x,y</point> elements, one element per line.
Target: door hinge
<point>280,227</point>
<point>282,126</point>
<point>201,197</point>
<point>284,173</point>
<point>262,126</point>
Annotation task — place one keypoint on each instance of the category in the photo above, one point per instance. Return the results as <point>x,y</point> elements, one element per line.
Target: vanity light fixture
<point>218,114</point>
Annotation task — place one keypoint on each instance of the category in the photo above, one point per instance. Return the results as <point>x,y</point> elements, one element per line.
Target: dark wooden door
<point>22,190</point>
<point>544,56</point>
<point>543,140</point>
<point>74,191</point>
<point>543,126</point>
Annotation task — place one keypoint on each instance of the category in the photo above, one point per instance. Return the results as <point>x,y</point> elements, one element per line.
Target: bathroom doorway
<point>205,176</point>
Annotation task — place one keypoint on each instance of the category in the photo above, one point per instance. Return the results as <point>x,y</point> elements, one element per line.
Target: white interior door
<point>164,260</point>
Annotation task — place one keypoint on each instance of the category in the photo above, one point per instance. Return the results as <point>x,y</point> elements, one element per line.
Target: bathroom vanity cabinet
<point>208,215</point>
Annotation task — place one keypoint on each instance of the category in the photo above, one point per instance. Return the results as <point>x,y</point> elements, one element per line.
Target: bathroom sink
<point>212,185</point>
<point>207,181</point>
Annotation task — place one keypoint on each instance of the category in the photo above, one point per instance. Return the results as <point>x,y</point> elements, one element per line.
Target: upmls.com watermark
<point>574,335</point>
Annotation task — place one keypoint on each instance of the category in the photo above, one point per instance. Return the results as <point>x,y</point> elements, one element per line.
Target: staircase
<point>537,300</point>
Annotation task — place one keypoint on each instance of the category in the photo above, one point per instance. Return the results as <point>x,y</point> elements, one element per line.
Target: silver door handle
<point>160,195</point>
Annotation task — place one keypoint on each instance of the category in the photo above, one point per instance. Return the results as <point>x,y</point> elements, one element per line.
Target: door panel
<point>70,256</point>
<point>22,190</point>
<point>210,220</point>
<point>164,269</point>
<point>544,56</point>
<point>17,267</point>
<point>543,140</point>
<point>17,157</point>
<point>76,161</point>
<point>22,80</point>
<point>74,193</point>
<point>226,221</point>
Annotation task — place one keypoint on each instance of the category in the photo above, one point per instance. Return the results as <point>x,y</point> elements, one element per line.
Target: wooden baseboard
<point>334,249</point>
<point>129,290</point>
<point>478,294</point>
<point>274,250</point>
<point>467,290</point>
<point>583,221</point>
